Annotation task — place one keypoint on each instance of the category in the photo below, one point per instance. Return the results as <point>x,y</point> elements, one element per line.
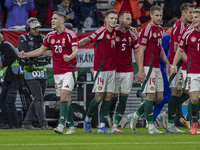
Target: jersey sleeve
<point>177,34</point>
<point>47,41</point>
<point>74,39</point>
<point>96,34</point>
<point>183,42</point>
<point>144,37</point>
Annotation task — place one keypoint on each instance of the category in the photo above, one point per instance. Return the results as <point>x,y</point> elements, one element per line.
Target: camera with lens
<point>37,61</point>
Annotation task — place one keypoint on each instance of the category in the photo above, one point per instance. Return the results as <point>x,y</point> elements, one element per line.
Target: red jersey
<point>62,44</point>
<point>104,49</point>
<point>184,65</point>
<point>151,37</point>
<point>176,32</point>
<point>191,41</point>
<point>125,42</point>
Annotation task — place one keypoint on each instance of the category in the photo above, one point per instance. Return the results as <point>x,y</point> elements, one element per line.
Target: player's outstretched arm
<point>67,58</point>
<point>175,46</point>
<point>84,41</point>
<point>177,57</point>
<point>48,53</point>
<point>35,53</point>
<point>136,55</point>
<point>141,76</point>
<point>184,56</point>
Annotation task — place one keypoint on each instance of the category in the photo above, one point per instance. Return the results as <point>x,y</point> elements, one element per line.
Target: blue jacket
<point>87,14</point>
<point>166,46</point>
<point>17,15</point>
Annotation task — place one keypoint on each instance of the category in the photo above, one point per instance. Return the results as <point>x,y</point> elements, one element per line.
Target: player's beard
<point>156,23</point>
<point>126,27</point>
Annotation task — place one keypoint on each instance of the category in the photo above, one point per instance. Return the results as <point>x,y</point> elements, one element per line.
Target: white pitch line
<point>131,143</point>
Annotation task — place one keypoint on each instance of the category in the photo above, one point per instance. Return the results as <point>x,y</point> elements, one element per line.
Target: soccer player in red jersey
<point>191,40</point>
<point>104,70</point>
<point>64,43</point>
<point>126,40</point>
<point>150,52</point>
<point>176,81</point>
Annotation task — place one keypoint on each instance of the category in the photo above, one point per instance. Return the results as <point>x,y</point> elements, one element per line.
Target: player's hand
<point>22,54</point>
<point>134,30</point>
<point>168,67</point>
<point>174,69</point>
<point>66,58</point>
<point>141,76</point>
<point>49,53</point>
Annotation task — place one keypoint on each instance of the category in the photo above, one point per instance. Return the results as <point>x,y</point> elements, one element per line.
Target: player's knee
<point>151,97</point>
<point>99,97</point>
<point>176,93</point>
<point>65,98</point>
<point>108,96</point>
<point>194,101</point>
<point>159,99</point>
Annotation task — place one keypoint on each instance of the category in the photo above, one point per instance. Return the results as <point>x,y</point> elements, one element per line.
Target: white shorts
<point>123,82</point>
<point>154,80</point>
<point>176,80</point>
<point>104,81</point>
<point>65,81</point>
<point>194,82</point>
<point>185,79</point>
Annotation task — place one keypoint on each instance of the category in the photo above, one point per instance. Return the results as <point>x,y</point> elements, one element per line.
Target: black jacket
<point>9,54</point>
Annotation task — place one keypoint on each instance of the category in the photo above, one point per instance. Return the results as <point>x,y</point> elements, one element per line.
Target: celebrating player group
<point>113,71</point>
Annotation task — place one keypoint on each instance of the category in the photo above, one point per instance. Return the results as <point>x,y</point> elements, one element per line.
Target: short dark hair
<point>61,14</point>
<point>172,21</point>
<point>155,8</point>
<point>185,6</point>
<point>109,11</point>
<point>123,12</point>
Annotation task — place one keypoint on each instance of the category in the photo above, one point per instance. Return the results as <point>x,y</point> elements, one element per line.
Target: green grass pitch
<point>18,139</point>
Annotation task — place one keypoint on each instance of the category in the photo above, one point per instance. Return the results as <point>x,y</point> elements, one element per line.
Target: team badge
<point>151,88</point>
<point>193,39</point>
<point>179,38</point>
<point>117,39</point>
<point>100,88</point>
<point>144,40</point>
<point>129,39</point>
<point>52,41</point>
<point>180,84</point>
<point>63,41</point>
<point>93,35</point>
<point>154,35</point>
<point>181,42</point>
<point>108,36</point>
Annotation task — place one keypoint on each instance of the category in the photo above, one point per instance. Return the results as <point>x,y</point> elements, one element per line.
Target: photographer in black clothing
<point>35,74</point>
